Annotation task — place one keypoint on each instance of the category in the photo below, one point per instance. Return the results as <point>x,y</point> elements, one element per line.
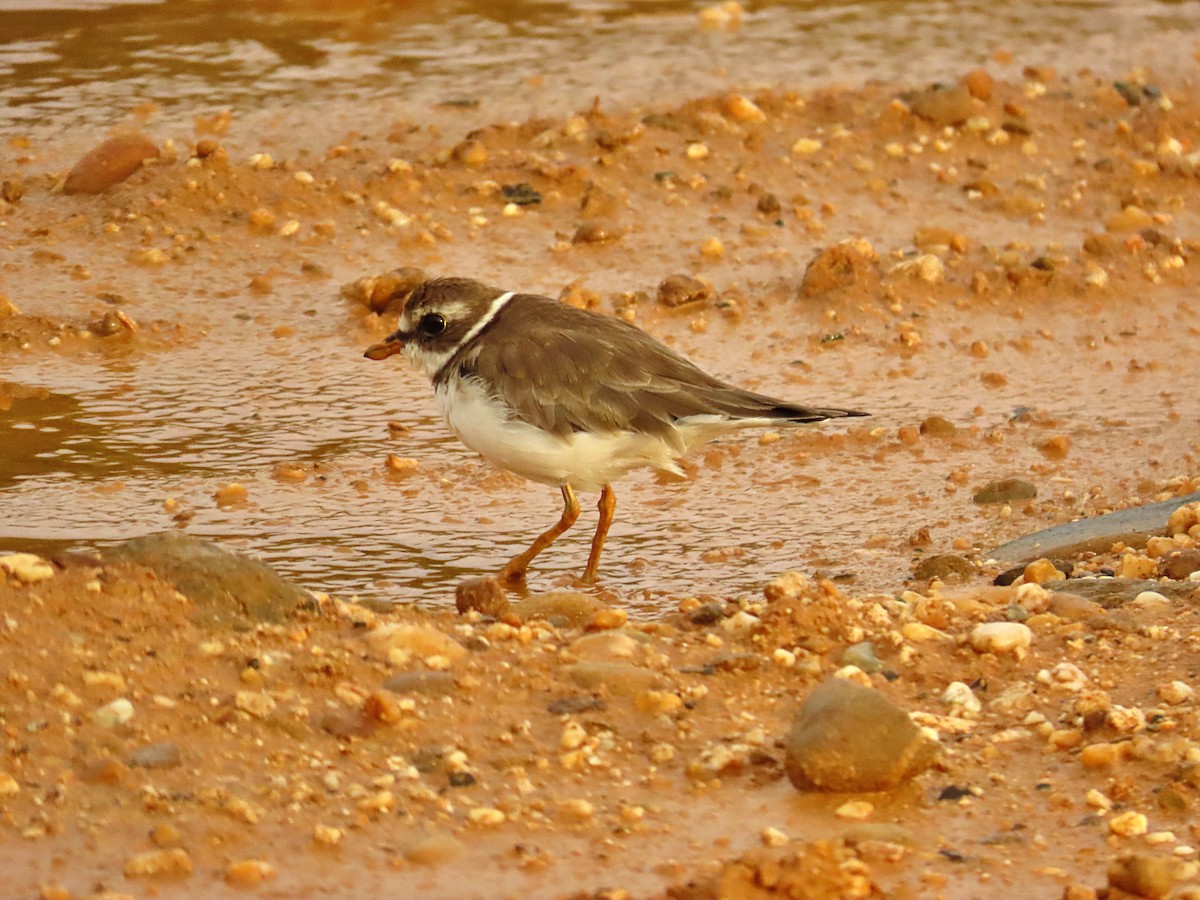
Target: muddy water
<point>109,441</point>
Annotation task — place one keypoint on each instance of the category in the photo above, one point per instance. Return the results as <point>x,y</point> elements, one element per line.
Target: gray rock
<point>226,585</point>
<point>1095,535</point>
<point>862,655</point>
<point>163,755</point>
<point>852,739</point>
<point>1179,564</point>
<point>1005,490</point>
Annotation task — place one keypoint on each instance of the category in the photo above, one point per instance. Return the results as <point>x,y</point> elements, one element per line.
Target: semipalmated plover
<point>567,397</point>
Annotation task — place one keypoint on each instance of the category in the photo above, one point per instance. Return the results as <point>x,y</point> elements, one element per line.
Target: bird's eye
<point>432,324</point>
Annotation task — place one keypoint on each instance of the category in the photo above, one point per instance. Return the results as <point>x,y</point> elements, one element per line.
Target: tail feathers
<point>812,413</point>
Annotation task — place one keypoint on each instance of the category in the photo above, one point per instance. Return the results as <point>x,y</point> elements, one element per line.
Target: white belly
<point>585,461</point>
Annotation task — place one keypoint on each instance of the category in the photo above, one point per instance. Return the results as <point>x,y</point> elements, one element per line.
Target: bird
<point>567,397</point>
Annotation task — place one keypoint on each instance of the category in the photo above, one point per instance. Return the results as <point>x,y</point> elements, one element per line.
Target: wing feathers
<point>618,379</point>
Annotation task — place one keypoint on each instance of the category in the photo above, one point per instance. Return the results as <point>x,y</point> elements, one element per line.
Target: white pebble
<point>26,567</point>
<point>1150,600</point>
<point>1175,692</point>
<point>1001,637</point>
<point>112,714</point>
<point>1063,677</point>
<point>960,695</point>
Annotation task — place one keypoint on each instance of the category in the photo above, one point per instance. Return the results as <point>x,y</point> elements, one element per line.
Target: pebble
<point>26,568</point>
<point>1040,571</point>
<point>119,712</point>
<point>258,704</point>
<point>1063,677</point>
<point>741,109</point>
<point>1142,875</point>
<point>399,644</point>
<point>1001,637</point>
<point>110,164</point>
<point>1179,564</point>
<point>484,595</point>
<point>942,105</point>
<point>979,83</point>
<point>855,809</point>
<point>8,785</point>
<point>596,232</point>
<point>327,835</point>
<point>678,290</point>
<point>882,832</point>
<point>158,863</point>
<point>1128,823</point>
<point>1101,756</point>
<point>1005,490</point>
<point>841,267</point>
<point>789,586</point>
<point>962,698</point>
<point>248,872</point>
<point>850,738</point>
<point>919,632</point>
<point>486,815</point>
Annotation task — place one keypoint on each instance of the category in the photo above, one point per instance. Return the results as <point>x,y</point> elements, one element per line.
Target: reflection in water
<point>96,63</point>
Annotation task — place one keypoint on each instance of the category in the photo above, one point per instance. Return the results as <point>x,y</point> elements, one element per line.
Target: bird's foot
<point>512,574</point>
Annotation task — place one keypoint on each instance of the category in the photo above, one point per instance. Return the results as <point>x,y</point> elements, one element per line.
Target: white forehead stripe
<point>495,307</point>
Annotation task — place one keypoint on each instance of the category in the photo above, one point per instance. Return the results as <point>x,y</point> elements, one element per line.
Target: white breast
<point>585,461</point>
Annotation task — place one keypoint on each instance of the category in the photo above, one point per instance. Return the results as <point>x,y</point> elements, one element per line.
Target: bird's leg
<point>515,568</point>
<point>607,506</point>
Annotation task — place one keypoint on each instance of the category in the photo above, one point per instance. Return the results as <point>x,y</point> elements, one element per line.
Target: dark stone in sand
<point>1005,490</point>
<point>850,738</point>
<point>946,566</point>
<point>1095,535</point>
<point>485,595</point>
<point>1179,564</point>
<point>226,585</point>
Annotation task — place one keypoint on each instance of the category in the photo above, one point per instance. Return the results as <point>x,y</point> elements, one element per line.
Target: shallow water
<point>116,434</point>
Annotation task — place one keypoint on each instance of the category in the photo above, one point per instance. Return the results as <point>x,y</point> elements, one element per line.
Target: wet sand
<point>1016,300</point>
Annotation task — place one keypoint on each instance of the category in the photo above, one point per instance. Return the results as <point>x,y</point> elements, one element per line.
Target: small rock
<point>431,684</point>
<point>620,679</point>
<point>109,164</point>
<point>1005,490</point>
<point>861,655</point>
<point>596,231</point>
<point>483,595</point>
<point>1040,571</point>
<point>948,567</point>
<point>742,109</point>
<point>258,704</point>
<point>1175,692</point>
<point>936,426</point>
<point>248,872</point>
<point>1142,875</point>
<point>1056,447</point>
<point>839,267</point>
<point>979,83</point>
<point>1001,637</point>
<point>575,608</point>
<point>678,290</point>
<point>163,755</point>
<point>113,714</point>
<point>158,863</point>
<point>522,194</point>
<point>382,293</point>
<point>942,105</point>
<point>26,568</point>
<point>708,614</point>
<point>850,738</point>
<point>433,850</point>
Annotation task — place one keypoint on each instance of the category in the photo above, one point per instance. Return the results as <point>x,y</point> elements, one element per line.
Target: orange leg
<point>515,569</point>
<point>607,506</point>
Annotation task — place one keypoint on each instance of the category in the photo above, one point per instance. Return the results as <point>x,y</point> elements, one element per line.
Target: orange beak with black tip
<point>389,346</point>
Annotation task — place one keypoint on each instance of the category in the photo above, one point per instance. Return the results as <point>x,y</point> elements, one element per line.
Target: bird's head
<point>440,316</point>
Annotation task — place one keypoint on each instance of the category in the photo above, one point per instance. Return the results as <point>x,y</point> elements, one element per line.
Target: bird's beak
<point>389,346</point>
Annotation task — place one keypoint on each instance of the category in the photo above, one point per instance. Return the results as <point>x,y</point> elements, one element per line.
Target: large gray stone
<point>225,585</point>
<point>850,738</point>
